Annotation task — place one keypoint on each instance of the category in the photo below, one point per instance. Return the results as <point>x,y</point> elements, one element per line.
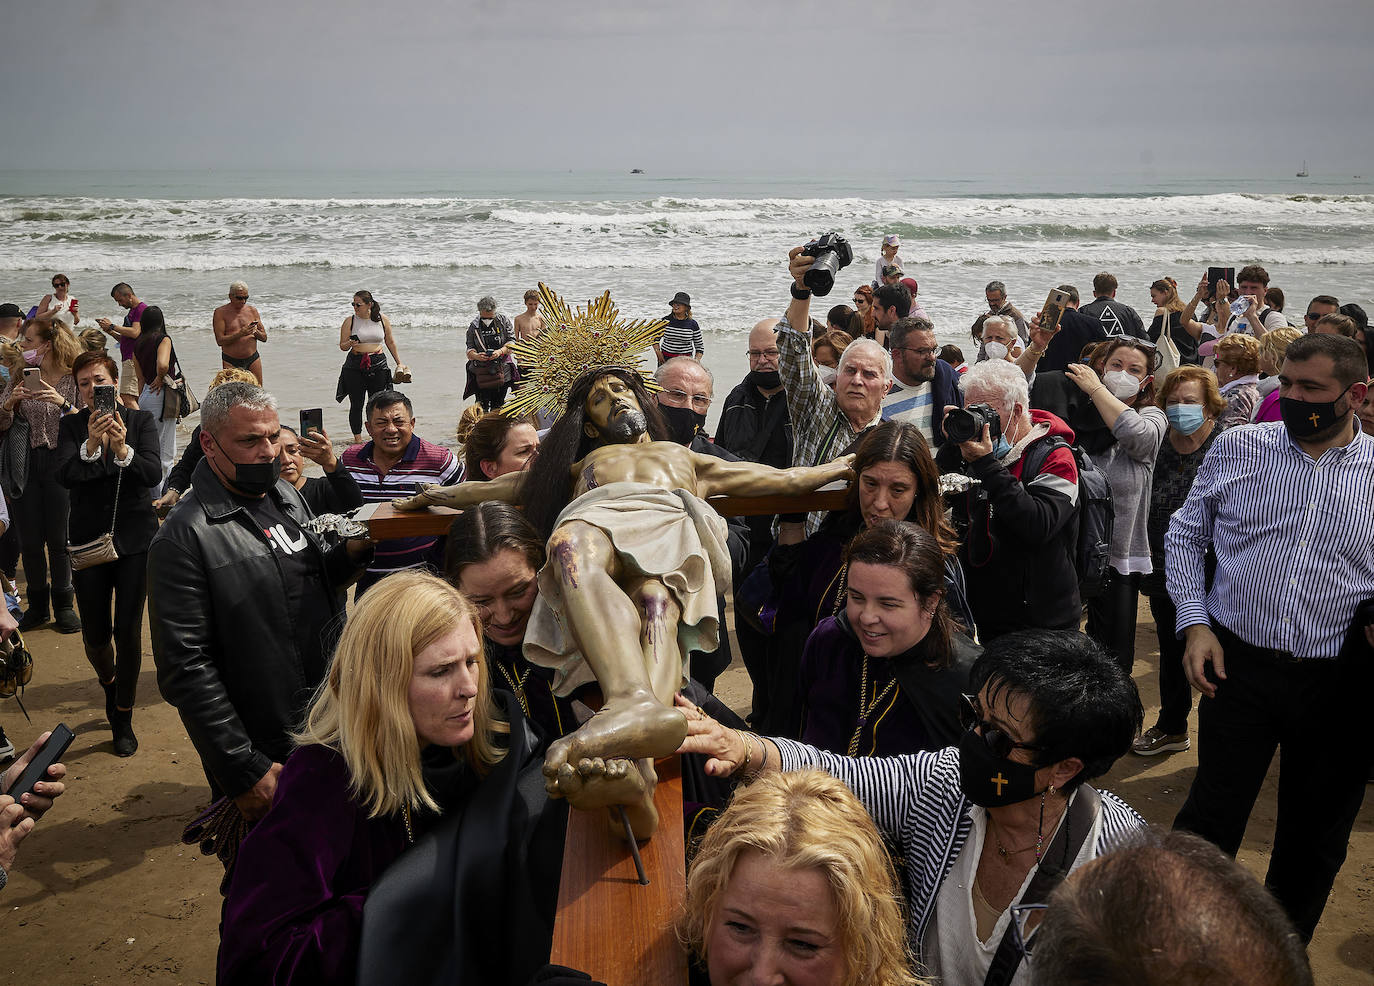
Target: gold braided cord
<point>572,343</point>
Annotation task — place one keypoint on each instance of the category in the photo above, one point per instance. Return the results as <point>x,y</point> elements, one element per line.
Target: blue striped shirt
<point>1293,536</point>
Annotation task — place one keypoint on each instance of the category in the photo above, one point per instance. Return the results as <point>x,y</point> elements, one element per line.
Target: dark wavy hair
<point>897,441</point>
<point>485,442</point>
<point>915,552</point>
<point>375,313</point>
<point>548,484</point>
<point>479,533</point>
<point>1081,703</point>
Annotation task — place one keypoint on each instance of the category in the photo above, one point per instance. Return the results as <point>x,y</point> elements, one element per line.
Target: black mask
<point>683,422</point>
<point>252,478</point>
<point>990,781</point>
<point>1303,419</point>
<point>765,379</point>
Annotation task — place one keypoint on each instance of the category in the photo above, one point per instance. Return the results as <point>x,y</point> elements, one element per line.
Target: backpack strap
<point>1037,453</point>
<point>1054,866</point>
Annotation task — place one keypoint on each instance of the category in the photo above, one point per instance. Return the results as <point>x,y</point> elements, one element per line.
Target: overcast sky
<point>759,86</point>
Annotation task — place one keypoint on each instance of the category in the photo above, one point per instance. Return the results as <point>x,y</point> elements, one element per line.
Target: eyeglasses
<point>761,353</point>
<point>240,297</point>
<point>700,401</point>
<point>925,351</point>
<point>1001,745</point>
<point>1020,915</point>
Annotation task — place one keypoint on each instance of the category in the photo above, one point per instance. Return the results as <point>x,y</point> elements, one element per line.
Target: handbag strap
<point>1054,866</point>
<point>119,481</point>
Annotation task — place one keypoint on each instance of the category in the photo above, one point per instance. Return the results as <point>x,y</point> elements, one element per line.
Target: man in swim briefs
<point>238,330</point>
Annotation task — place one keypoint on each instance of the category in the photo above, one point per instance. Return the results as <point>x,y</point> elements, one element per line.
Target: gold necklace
<point>867,710</point>
<point>410,831</point>
<point>517,685</point>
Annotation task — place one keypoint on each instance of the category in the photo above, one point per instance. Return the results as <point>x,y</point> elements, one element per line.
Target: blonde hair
<point>64,344</point>
<point>807,820</point>
<point>362,708</point>
<point>470,416</point>
<point>1275,343</point>
<point>1241,351</point>
<point>92,340</point>
<point>232,374</point>
<point>1212,400</point>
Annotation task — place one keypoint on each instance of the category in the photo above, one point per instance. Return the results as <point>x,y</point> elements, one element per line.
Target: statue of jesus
<point>636,559</point>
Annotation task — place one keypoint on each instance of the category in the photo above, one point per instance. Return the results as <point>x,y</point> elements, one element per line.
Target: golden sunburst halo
<point>573,342</point>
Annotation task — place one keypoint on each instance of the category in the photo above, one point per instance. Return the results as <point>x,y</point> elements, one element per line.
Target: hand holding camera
<point>975,429</point>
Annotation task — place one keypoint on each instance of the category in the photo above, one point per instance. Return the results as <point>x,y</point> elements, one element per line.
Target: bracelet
<point>1037,353</point>
<point>801,294</point>
<point>763,751</point>
<point>748,750</point>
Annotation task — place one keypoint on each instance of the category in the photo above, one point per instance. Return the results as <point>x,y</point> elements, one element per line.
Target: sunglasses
<point>1020,917</point>
<point>360,304</point>
<point>240,297</point>
<point>1312,316</point>
<point>59,284</point>
<point>996,739</point>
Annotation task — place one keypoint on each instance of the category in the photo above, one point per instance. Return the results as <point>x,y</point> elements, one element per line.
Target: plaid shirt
<point>820,431</point>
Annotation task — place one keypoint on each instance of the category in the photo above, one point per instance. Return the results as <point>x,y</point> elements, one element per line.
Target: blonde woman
<point>403,743</point>
<point>41,395</point>
<point>792,884</point>
<point>1237,368</point>
<point>1272,348</point>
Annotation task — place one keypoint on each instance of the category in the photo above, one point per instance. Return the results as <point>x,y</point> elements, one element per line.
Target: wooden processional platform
<point>609,925</point>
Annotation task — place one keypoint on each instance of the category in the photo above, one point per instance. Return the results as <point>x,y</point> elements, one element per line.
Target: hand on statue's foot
<point>635,727</point>
<point>430,495</point>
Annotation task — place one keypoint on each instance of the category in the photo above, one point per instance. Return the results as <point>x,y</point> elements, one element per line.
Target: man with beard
<point>636,560</point>
<point>922,381</point>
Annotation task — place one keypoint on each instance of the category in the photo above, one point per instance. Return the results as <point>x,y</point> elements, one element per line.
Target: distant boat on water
<point>1303,172</point>
<point>636,171</point>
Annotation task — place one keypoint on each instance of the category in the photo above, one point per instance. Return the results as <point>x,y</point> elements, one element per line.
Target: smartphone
<point>1053,310</point>
<point>37,769</point>
<point>103,400</point>
<point>33,376</point>
<point>312,419</point>
<point>1215,275</point>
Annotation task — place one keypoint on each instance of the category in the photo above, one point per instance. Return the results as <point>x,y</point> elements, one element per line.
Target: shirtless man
<point>529,324</point>
<point>635,561</point>
<point>238,330</point>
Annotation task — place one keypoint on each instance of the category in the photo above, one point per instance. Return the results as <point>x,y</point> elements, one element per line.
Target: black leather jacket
<point>222,632</point>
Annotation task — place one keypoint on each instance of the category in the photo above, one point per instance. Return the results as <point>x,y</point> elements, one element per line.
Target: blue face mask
<point>1001,447</point>
<point>1185,418</point>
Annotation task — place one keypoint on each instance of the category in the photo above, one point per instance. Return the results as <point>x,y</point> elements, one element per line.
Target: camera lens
<point>962,426</point>
<point>820,276</point>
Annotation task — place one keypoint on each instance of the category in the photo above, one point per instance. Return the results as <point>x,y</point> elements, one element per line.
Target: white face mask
<point>827,374</point>
<point>995,350</point>
<point>1122,385</point>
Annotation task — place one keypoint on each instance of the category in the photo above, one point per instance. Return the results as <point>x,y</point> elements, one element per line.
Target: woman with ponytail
<point>365,371</point>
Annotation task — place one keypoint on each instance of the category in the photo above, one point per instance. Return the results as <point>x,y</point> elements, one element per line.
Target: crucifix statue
<point>636,560</point>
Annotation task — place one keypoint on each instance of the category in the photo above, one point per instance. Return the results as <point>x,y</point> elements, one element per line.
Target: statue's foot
<point>631,728</point>
<point>597,783</point>
<point>428,495</point>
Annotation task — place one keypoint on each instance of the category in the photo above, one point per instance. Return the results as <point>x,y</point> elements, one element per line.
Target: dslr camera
<point>832,255</point>
<point>965,424</point>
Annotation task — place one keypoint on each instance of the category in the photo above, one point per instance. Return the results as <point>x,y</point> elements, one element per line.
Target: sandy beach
<point>104,891</point>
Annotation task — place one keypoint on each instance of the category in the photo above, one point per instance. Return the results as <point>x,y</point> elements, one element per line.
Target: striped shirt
<point>917,803</point>
<point>682,337</point>
<point>912,405</point>
<point>820,430</point>
<point>1294,540</point>
<point>422,462</point>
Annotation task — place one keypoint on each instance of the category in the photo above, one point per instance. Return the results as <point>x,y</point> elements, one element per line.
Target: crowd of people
<point>908,797</point>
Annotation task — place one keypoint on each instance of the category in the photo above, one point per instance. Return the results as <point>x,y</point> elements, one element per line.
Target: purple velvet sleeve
<point>294,908</point>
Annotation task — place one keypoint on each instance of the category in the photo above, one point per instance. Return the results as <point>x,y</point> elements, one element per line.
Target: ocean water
<point>428,245</point>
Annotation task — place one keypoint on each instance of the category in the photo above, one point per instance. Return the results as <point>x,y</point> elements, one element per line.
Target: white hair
<point>237,287</point>
<point>999,376</point>
<point>1003,321</point>
<point>868,347</point>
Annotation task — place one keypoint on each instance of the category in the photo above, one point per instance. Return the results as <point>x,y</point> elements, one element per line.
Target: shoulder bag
<point>14,457</point>
<point>102,549</point>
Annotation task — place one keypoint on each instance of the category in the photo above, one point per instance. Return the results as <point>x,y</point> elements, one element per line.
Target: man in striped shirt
<point>394,463</point>
<point>922,383</point>
<point>1289,512</point>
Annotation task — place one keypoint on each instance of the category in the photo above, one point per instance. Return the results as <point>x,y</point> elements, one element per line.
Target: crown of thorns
<point>572,343</point>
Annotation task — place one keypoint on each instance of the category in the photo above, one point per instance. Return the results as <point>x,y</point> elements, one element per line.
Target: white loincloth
<point>672,536</point>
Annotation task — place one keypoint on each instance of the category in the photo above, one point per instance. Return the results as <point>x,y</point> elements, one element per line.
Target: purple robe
<point>294,910</point>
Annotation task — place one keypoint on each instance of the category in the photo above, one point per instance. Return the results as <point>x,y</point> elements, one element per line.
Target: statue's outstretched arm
<point>505,489</point>
<point>717,477</point>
